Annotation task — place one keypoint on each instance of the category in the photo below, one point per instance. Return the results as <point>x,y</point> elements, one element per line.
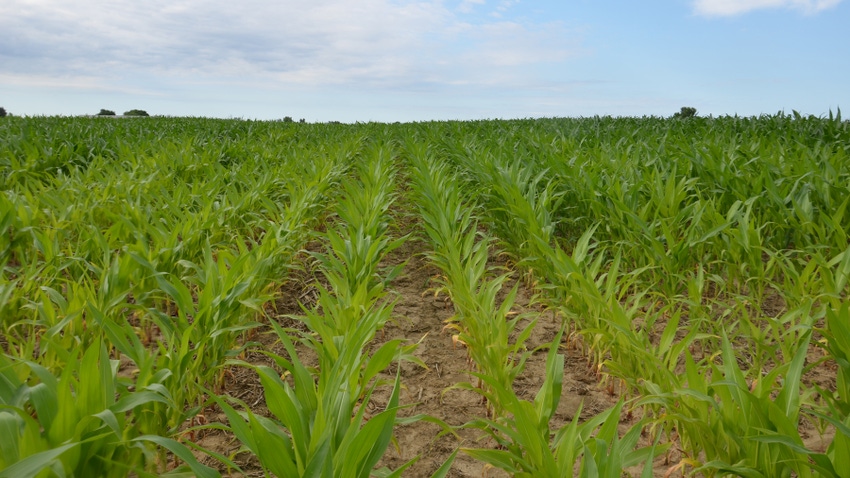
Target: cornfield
<point>548,298</point>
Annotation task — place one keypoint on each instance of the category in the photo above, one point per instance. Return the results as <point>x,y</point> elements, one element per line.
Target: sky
<point>420,60</point>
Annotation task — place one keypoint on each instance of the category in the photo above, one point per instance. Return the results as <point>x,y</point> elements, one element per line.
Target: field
<point>552,297</point>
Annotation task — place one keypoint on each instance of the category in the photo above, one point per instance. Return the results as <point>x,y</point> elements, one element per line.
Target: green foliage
<point>2,112</point>
<point>136,113</point>
<point>686,112</point>
<point>73,424</point>
<point>712,247</point>
<point>104,112</point>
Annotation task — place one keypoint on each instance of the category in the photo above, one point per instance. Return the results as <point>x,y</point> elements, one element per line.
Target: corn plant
<point>837,338</point>
<point>745,426</point>
<point>73,424</point>
<point>482,323</point>
<point>527,446</point>
<point>318,426</point>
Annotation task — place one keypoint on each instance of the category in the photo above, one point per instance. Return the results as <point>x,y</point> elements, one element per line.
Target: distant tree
<point>287,119</point>
<point>104,112</point>
<point>2,112</point>
<point>686,112</point>
<point>302,120</point>
<point>136,113</point>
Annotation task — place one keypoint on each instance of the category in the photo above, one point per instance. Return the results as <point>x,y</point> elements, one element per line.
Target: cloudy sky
<point>409,60</point>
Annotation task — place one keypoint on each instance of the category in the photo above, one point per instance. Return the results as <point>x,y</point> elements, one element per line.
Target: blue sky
<point>398,60</point>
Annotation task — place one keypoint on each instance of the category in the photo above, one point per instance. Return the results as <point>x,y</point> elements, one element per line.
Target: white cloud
<point>512,44</point>
<point>466,6</point>
<point>80,83</point>
<point>369,43</point>
<point>737,7</point>
<point>505,5</point>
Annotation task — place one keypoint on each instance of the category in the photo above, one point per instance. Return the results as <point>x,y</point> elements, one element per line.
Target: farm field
<point>550,297</point>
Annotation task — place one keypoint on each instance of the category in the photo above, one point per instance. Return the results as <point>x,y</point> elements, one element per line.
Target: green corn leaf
<point>136,399</point>
<point>669,333</point>
<point>789,397</point>
<point>381,359</point>
<point>33,465</point>
<point>443,470</point>
<point>239,426</point>
<point>589,468</point>
<point>111,421</point>
<point>743,471</point>
<point>500,459</point>
<point>320,463</point>
<point>372,442</point>
<point>46,402</point>
<point>272,446</point>
<point>304,385</point>
<point>549,396</point>
<point>10,430</point>
<point>842,271</point>
<point>28,431</point>
<point>178,292</point>
<point>838,455</point>
<point>361,449</point>
<point>840,427</point>
<point>182,452</point>
<point>582,247</point>
<point>286,409</point>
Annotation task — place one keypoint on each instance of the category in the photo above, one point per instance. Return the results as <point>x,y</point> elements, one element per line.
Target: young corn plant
<point>520,203</point>
<point>528,447</point>
<point>484,325</point>
<point>732,422</point>
<point>79,423</point>
<point>836,332</point>
<point>318,425</point>
<point>356,248</point>
<point>837,344</point>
